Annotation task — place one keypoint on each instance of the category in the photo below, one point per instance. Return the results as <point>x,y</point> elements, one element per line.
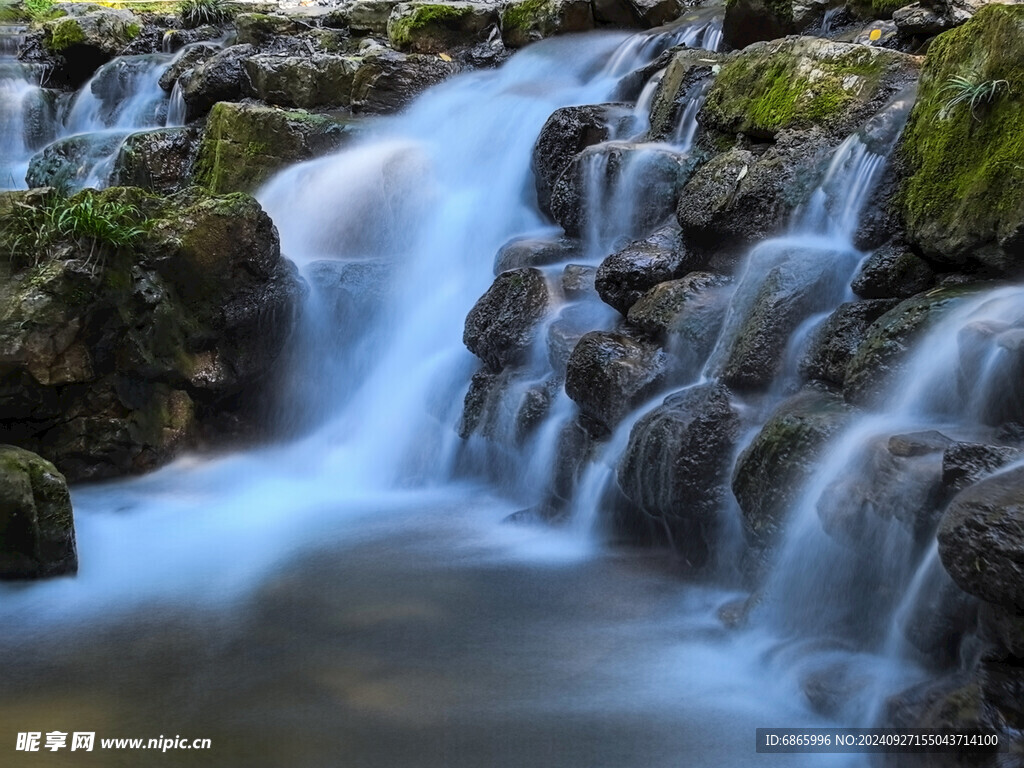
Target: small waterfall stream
<point>25,113</point>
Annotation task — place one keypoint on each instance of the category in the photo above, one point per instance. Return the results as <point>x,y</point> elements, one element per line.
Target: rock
<point>964,464</point>
<point>962,199</point>
<point>571,325</point>
<point>193,57</point>
<point>352,292</point>
<point>369,17</point>
<point>803,82</point>
<point>749,21</point>
<point>308,82</point>
<point>835,340</point>
<point>534,252</point>
<point>261,28</point>
<point>892,272</point>
<point>771,472</point>
<point>68,163</point>
<point>87,40</point>
<point>501,327</point>
<point>159,160</point>
<point>693,307</point>
<point>37,532</point>
<point>578,282</point>
<point>981,539</point>
<point>794,283</point>
<point>526,21</point>
<point>881,356</point>
<point>243,145</point>
<point>223,77</point>
<point>915,19</point>
<point>423,27</point>
<point>949,703</point>
<point>567,132</point>
<point>478,402</point>
<point>645,176</point>
<point>575,446</point>
<point>676,466</point>
<point>386,80</point>
<point>628,274</point>
<point>991,365</point>
<point>940,616</point>
<point>655,13</point>
<point>688,72</point>
<point>894,478</point>
<point>1003,628</point>
<point>115,359</point>
<point>608,374</point>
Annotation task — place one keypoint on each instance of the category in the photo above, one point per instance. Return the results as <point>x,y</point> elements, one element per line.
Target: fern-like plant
<point>968,90</point>
<point>196,13</point>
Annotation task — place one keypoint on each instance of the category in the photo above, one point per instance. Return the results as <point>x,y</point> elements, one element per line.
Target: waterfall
<point>25,114</point>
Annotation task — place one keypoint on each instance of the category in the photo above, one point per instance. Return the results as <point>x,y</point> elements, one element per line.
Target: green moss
<point>525,15</point>
<point>965,189</point>
<point>132,31</point>
<point>63,34</point>
<point>762,92</point>
<point>404,30</point>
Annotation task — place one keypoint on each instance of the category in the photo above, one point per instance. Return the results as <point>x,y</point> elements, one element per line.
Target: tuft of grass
<point>196,13</point>
<point>40,10</point>
<point>967,90</point>
<point>31,234</point>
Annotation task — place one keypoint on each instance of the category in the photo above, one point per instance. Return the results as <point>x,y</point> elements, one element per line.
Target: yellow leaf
<point>444,57</point>
<point>876,34</point>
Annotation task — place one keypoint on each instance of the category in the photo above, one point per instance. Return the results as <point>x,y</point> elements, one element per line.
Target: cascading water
<point>416,210</point>
<point>26,119</point>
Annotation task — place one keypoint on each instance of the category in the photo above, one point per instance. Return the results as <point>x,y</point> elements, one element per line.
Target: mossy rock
<point>37,530</point>
<point>963,197</point>
<point>309,81</point>
<point>437,27</point>
<point>104,30</point>
<point>261,28</point>
<point>798,83</point>
<point>526,21</point>
<point>771,472</point>
<point>749,21</point>
<point>244,144</point>
<point>875,9</point>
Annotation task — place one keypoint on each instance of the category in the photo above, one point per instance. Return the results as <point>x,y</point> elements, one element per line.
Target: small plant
<point>40,10</point>
<point>196,13</point>
<point>30,233</point>
<point>967,90</point>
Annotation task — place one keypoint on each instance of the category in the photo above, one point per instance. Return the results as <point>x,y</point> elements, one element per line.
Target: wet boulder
<point>68,163</point>
<point>308,81</point>
<point>794,283</point>
<point>222,77</point>
<point>578,281</point>
<point>892,271</point>
<point>501,327</point>
<point>364,17</point>
<point>567,132</point>
<point>688,72</point>
<point>991,370</point>
<point>243,145</point>
<point>964,464</point>
<point>608,374</point>
<point>37,531</point>
<point>628,274</point>
<point>574,322</point>
<point>160,160</point>
<point>962,198</point>
<point>676,466</point>
<point>771,472</point>
<point>534,252</point>
<point>193,57</point>
<point>386,80</point>
<point>634,179</point>
<point>882,355</point>
<point>86,40</point>
<point>835,340</point>
<point>424,27</point>
<point>526,21</point>
<point>692,307</point>
<point>116,356</point>
<point>981,539</point>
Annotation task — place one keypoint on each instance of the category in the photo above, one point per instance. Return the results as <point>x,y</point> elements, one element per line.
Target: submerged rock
<point>771,472</point>
<point>964,464</point>
<point>676,466</point>
<point>963,195</point>
<point>981,539</point>
<point>892,272</point>
<point>502,325</point>
<point>534,252</point>
<point>69,162</point>
<point>37,532</point>
<point>609,374</point>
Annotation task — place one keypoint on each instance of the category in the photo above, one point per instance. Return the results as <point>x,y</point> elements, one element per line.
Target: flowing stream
<point>350,597</point>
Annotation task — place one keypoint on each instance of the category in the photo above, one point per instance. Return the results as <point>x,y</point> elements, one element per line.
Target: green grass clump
<point>31,233</point>
<point>967,90</point>
<point>197,13</point>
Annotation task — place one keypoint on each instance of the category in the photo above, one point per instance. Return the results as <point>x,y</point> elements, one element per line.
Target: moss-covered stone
<point>526,21</point>
<point>436,27</point>
<point>260,28</point>
<point>63,34</point>
<point>37,532</point>
<point>963,197</point>
<point>795,83</point>
<point>244,144</point>
<point>307,82</point>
